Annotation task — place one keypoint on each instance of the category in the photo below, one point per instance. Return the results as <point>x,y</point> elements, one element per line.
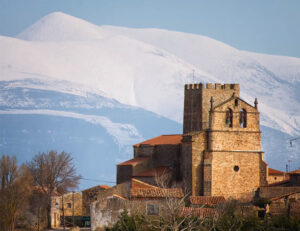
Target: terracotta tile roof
<point>156,192</point>
<point>283,195</point>
<point>295,172</point>
<point>198,212</point>
<point>163,139</point>
<point>158,171</point>
<point>120,197</point>
<point>140,184</point>
<point>279,183</point>
<point>275,172</point>
<point>134,161</point>
<point>206,200</point>
<point>97,187</point>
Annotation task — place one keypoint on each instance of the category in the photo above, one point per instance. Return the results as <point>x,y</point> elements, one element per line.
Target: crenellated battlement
<point>197,102</point>
<point>216,86</point>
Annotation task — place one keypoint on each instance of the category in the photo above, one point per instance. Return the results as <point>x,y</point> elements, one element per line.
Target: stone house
<point>90,195</point>
<point>218,154</point>
<point>286,204</point>
<point>70,204</point>
<point>134,195</point>
<point>275,176</point>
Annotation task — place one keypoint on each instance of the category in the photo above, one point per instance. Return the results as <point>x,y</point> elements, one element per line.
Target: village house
<point>68,206</point>
<point>90,195</point>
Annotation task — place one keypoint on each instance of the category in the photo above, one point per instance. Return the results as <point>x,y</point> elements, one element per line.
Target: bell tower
<point>197,103</point>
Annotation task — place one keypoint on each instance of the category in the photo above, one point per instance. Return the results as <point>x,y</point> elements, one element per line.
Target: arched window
<point>243,118</point>
<point>229,117</point>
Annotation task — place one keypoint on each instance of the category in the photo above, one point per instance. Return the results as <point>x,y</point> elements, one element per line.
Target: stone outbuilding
<point>90,195</point>
<point>67,205</point>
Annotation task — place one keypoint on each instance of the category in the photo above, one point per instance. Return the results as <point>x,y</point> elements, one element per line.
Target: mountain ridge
<point>107,71</point>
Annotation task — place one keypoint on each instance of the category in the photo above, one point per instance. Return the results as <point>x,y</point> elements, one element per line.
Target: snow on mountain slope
<point>98,131</point>
<point>148,68</point>
<point>286,68</point>
<point>58,26</point>
<point>272,79</point>
<point>130,71</point>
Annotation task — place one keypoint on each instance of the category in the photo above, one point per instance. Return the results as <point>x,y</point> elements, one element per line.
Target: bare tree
<point>14,192</point>
<point>53,173</point>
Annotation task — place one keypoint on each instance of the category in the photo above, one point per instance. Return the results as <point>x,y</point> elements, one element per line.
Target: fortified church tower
<point>218,154</point>
<point>221,144</point>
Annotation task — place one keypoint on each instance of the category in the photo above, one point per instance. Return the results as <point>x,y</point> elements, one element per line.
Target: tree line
<point>26,189</point>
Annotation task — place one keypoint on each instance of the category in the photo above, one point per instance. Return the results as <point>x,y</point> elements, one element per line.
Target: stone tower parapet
<point>197,103</point>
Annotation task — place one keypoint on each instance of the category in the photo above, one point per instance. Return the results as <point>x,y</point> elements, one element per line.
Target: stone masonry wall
<point>199,145</point>
<point>219,116</point>
<point>143,150</point>
<point>242,141</point>
<point>186,163</point>
<point>276,191</point>
<point>166,155</point>
<point>124,173</point>
<point>122,189</point>
<point>235,174</point>
<point>197,103</point>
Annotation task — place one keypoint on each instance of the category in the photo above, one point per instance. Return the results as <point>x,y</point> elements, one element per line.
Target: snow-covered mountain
<point>99,66</point>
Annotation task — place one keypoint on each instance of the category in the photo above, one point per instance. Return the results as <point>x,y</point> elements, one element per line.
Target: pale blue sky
<point>265,26</point>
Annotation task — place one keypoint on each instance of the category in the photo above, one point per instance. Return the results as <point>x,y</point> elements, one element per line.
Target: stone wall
<point>57,207</point>
<point>186,163</point>
<point>275,178</point>
<point>197,103</point>
<point>199,145</point>
<point>122,189</point>
<point>105,212</point>
<point>276,191</point>
<point>235,174</point>
<point>143,150</point>
<point>88,196</point>
<point>125,172</point>
<point>235,141</point>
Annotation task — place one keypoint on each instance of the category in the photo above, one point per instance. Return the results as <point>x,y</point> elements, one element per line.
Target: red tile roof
<point>295,172</point>
<point>156,192</point>
<point>140,184</point>
<point>206,200</point>
<point>283,195</point>
<point>134,161</point>
<point>283,182</point>
<point>97,187</point>
<point>158,171</point>
<point>198,212</point>
<point>163,139</point>
<point>275,172</point>
<point>120,197</point>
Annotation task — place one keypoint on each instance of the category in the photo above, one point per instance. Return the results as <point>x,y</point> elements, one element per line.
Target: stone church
<point>218,154</point>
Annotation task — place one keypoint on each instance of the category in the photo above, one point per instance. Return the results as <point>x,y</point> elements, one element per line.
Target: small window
<point>229,117</point>
<point>243,118</point>
<point>152,209</point>
<point>69,205</point>
<point>236,102</point>
<point>236,168</point>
